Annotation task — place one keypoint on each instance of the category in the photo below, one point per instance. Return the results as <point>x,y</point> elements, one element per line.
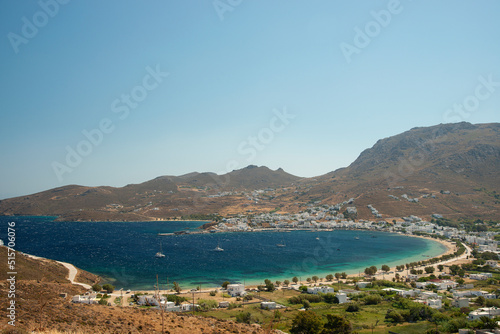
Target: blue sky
<point>233,66</point>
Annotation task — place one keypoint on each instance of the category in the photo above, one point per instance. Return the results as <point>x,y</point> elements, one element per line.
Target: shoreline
<point>450,248</point>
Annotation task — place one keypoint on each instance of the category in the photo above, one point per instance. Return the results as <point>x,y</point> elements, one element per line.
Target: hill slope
<point>450,169</point>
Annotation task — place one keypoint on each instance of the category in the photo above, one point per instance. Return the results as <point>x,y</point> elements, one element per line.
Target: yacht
<point>160,254</point>
<point>218,248</point>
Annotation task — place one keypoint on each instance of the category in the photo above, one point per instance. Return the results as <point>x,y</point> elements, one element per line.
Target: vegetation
<point>109,288</point>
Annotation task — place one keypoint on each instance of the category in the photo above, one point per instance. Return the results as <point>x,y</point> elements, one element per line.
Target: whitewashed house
<point>489,312</point>
<point>88,299</point>
<point>342,297</point>
<point>460,302</point>
<point>235,290</point>
<point>268,305</point>
<point>317,289</point>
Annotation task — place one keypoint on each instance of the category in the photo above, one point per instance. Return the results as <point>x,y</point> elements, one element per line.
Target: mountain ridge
<point>462,158</point>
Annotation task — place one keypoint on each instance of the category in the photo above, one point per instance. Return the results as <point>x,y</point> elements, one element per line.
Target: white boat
<point>218,248</point>
<point>282,244</point>
<point>160,254</point>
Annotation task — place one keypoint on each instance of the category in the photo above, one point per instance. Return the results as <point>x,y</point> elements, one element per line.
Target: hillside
<point>40,306</point>
<point>451,169</point>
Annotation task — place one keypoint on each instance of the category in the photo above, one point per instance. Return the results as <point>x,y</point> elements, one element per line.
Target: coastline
<point>448,248</point>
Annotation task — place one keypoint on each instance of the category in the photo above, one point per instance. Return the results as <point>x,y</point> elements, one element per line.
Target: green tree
<point>315,279</point>
<point>440,267</point>
<point>306,304</point>
<point>225,284</point>
<point>386,268</point>
<point>177,287</point>
<point>481,301</point>
<point>336,324</point>
<point>329,277</point>
<point>343,275</point>
<point>295,279</point>
<point>96,287</point>
<point>308,280</point>
<point>109,288</point>
<point>244,317</point>
<point>429,270</point>
<point>306,323</point>
<point>286,282</point>
<point>277,315</point>
<point>278,283</point>
<point>103,301</point>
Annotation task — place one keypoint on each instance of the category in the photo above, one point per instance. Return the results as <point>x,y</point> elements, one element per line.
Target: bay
<point>124,252</point>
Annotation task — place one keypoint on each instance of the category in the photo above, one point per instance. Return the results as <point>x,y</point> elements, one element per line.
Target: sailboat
<point>160,254</point>
<point>282,244</point>
<point>218,248</point>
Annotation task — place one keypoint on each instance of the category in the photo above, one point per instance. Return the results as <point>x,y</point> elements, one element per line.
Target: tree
<point>343,275</point>
<point>386,268</point>
<point>440,267</point>
<point>225,284</point>
<point>429,270</point>
<point>308,280</point>
<point>336,324</point>
<point>481,301</point>
<point>329,277</point>
<point>286,282</point>
<point>244,317</point>
<point>306,323</point>
<point>103,301</point>
<point>177,287</point>
<point>460,280</point>
<point>277,315</point>
<point>315,279</point>
<point>96,287</point>
<point>278,283</point>
<point>306,304</point>
<point>295,279</point>
<point>109,288</point>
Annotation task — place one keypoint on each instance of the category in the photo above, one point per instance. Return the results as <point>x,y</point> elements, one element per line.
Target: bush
<point>372,299</point>
<point>176,299</point>
<point>394,316</point>
<point>103,301</point>
<point>213,293</point>
<point>300,299</point>
<point>330,298</point>
<point>96,287</point>
<point>244,317</point>
<point>306,322</point>
<point>206,305</point>
<point>352,308</point>
<point>109,288</point>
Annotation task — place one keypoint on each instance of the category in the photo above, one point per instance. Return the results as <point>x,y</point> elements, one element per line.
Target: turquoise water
<point>123,252</point>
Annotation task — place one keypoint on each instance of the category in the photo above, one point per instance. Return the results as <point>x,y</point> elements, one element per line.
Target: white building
<point>489,312</point>
<point>342,297</point>
<point>317,289</point>
<point>460,302</point>
<point>235,290</point>
<point>268,305</point>
<point>362,284</point>
<point>87,299</point>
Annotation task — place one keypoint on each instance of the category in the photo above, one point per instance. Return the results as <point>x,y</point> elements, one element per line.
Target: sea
<point>123,253</point>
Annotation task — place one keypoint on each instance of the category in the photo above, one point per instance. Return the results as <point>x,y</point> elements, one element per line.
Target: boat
<point>160,254</point>
<point>282,243</point>
<point>218,248</point>
<point>356,238</point>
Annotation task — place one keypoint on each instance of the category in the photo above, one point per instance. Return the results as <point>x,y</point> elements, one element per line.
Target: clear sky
<point>171,87</point>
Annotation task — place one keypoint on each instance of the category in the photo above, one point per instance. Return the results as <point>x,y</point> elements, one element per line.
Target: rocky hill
<point>40,307</point>
<point>450,169</point>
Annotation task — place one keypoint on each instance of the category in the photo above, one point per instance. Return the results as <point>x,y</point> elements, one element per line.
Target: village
<point>465,279</point>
